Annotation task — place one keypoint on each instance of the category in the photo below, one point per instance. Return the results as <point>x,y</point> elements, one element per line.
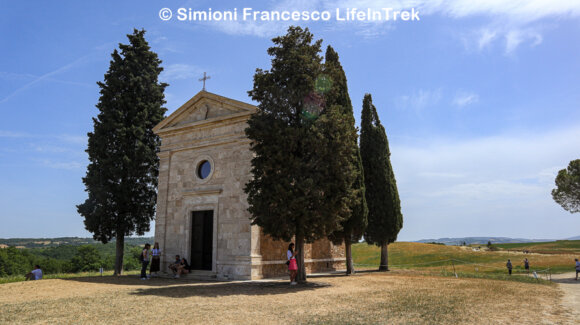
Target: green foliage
<point>64,241</point>
<point>567,191</point>
<point>121,178</point>
<point>87,258</point>
<point>132,258</point>
<point>15,262</point>
<point>302,171</point>
<point>354,226</point>
<point>385,219</point>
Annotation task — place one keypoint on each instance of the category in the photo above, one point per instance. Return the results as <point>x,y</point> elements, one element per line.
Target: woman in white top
<point>292,266</point>
<point>155,256</point>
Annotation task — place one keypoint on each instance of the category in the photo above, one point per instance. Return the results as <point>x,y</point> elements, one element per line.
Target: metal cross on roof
<point>205,77</point>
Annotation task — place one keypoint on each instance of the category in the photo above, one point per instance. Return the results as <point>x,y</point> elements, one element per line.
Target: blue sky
<point>480,100</point>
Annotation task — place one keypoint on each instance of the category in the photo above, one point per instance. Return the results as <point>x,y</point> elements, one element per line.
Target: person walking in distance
<point>527,265</point>
<point>509,267</point>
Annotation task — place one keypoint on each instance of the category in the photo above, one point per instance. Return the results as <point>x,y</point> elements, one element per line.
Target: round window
<point>203,169</point>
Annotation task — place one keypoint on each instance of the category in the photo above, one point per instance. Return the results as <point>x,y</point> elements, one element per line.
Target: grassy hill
<point>432,257</point>
<point>555,247</point>
<point>60,241</point>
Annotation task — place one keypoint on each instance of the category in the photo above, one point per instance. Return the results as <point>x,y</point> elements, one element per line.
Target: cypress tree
<point>354,226</point>
<point>121,179</point>
<point>301,166</point>
<point>384,219</point>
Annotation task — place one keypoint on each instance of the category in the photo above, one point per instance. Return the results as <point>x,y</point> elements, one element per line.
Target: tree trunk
<point>120,247</point>
<point>348,252</point>
<point>301,276</point>
<point>384,258</point>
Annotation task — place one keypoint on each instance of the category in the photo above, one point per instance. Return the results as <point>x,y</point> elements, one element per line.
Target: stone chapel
<point>205,162</point>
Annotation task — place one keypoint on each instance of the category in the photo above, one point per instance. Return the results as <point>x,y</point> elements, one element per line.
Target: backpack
<point>141,257</point>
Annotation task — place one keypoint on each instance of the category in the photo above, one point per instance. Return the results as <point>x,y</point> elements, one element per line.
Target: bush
<point>88,258</point>
<point>16,262</point>
<point>131,260</point>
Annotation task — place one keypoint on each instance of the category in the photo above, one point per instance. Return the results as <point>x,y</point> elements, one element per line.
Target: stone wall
<point>181,191</point>
<point>320,256</point>
<point>212,128</point>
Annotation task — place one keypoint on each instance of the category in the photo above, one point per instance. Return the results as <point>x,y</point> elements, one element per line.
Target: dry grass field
<point>397,297</point>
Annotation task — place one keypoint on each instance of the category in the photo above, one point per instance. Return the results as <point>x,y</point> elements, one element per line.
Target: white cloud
<point>180,71</point>
<point>514,38</point>
<point>269,28</point>
<point>69,138</point>
<point>503,18</point>
<point>465,98</point>
<point>48,150</point>
<point>66,165</point>
<point>420,99</point>
<point>487,36</point>
<point>514,21</point>
<point>12,134</point>
<point>251,27</point>
<point>159,39</point>
<point>73,139</point>
<point>514,11</point>
<point>517,11</point>
<point>46,76</point>
<point>483,186</point>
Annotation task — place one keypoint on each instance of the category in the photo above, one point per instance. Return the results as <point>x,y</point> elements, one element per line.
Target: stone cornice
<point>202,192</point>
<point>242,109</point>
<point>204,124</point>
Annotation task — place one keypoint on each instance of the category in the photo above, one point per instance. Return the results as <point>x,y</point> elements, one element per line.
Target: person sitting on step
<point>173,266</point>
<point>183,268</point>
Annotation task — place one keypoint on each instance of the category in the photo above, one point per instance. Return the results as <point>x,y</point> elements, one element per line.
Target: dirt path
<point>571,289</point>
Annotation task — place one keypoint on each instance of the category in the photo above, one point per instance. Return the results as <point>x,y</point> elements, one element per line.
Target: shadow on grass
<point>571,280</point>
<point>222,289</point>
<point>184,287</point>
<point>128,280</point>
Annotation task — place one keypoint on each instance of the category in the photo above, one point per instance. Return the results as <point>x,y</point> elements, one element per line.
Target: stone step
<point>194,275</point>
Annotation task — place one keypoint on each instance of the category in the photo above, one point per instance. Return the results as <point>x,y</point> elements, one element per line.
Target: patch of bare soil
<point>571,289</point>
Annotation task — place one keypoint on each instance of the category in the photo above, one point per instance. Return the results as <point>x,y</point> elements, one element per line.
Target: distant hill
<point>484,240</point>
<point>573,238</point>
<point>54,242</point>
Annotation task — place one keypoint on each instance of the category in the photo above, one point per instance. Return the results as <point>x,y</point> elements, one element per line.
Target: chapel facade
<point>202,215</point>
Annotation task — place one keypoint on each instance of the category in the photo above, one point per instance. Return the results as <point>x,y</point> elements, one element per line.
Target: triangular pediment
<point>202,107</point>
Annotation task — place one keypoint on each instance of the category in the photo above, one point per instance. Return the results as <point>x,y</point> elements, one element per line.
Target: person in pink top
<point>292,266</point>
